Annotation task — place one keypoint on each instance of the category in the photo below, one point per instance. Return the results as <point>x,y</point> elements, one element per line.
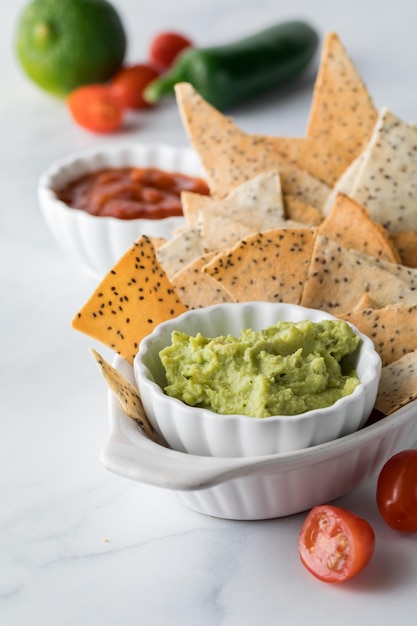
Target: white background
<point>162,564</point>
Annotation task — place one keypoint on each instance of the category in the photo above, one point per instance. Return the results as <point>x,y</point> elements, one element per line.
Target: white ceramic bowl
<point>203,432</point>
<point>97,243</point>
<point>256,487</point>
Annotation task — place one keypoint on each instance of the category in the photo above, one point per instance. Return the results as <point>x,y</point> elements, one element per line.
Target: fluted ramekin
<point>96,243</point>
<point>203,432</point>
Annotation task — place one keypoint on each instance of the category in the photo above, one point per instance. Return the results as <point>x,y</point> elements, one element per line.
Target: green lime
<point>62,44</point>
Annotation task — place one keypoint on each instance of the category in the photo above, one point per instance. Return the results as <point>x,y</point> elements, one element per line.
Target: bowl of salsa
<point>98,202</point>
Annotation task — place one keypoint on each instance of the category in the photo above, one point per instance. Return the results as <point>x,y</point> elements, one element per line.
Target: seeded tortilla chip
<point>133,298</point>
<point>366,302</point>
<point>349,224</point>
<point>157,242</point>
<point>406,244</point>
<point>342,110</point>
<point>406,274</point>
<point>127,395</point>
<point>198,289</point>
<point>230,157</point>
<point>325,158</point>
<point>257,202</point>
<point>393,329</point>
<point>386,180</point>
<point>337,276</point>
<point>321,157</point>
<point>299,211</point>
<point>304,186</point>
<point>398,384</point>
<point>345,183</point>
<point>270,266</point>
<point>180,250</point>
<point>219,232</point>
<point>192,206</point>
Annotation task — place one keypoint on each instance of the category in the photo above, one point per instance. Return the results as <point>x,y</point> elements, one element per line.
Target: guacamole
<point>287,369</point>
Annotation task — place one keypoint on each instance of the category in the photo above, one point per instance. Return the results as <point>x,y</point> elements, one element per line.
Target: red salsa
<point>131,192</point>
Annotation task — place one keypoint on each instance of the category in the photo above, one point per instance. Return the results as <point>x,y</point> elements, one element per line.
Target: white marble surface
<point>79,545</point>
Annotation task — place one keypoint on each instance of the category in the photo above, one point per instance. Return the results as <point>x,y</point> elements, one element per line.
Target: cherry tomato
<point>396,492</point>
<point>335,544</point>
<point>129,83</point>
<point>96,108</point>
<point>165,47</point>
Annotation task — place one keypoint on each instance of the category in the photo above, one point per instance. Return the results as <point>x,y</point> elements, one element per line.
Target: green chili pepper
<point>229,74</point>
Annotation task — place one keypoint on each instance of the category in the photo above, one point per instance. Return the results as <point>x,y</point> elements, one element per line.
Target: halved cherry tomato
<point>165,47</point>
<point>96,108</point>
<point>129,83</point>
<point>396,492</point>
<point>335,544</point>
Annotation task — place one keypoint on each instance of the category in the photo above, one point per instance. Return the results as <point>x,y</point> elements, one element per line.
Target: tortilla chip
<point>350,225</point>
<point>304,186</point>
<point>133,298</point>
<point>325,158</point>
<point>299,211</point>
<point>393,329</point>
<point>270,266</point>
<point>157,242</point>
<point>337,276</point>
<point>198,289</point>
<point>345,182</point>
<point>192,206</point>
<point>257,202</point>
<point>342,110</point>
<point>406,274</point>
<point>406,244</point>
<point>366,302</point>
<point>321,157</point>
<point>219,232</point>
<point>398,384</point>
<point>386,182</point>
<point>177,252</point>
<point>230,157</point>
<point>128,397</point>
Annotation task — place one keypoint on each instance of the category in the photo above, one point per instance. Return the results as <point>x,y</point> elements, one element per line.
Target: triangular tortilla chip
<point>299,211</point>
<point>349,224</point>
<point>366,302</point>
<point>406,244</point>
<point>398,384</point>
<point>230,156</point>
<point>304,186</point>
<point>270,266</point>
<point>393,329</point>
<point>133,298</point>
<point>342,109</point>
<point>386,181</point>
<point>345,183</point>
<point>321,157</point>
<point>220,232</point>
<point>256,202</point>
<point>406,274</point>
<point>337,276</point>
<point>198,289</point>
<point>192,205</point>
<point>128,397</point>
<point>180,250</point>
